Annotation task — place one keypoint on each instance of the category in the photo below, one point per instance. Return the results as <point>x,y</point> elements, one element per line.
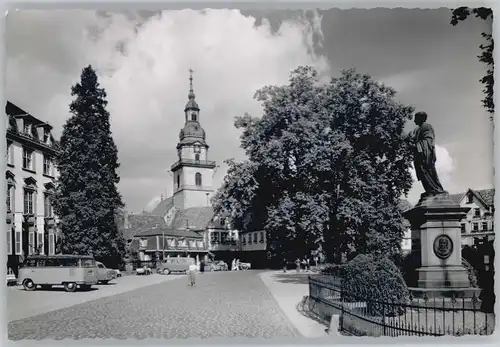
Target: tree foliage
<point>326,166</point>
<point>486,55</point>
<point>87,199</point>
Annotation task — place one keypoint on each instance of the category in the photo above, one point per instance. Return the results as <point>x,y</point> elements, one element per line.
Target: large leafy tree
<point>486,55</point>
<point>87,199</point>
<point>327,165</point>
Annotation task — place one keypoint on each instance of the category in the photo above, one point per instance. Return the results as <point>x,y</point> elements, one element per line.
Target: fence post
<point>341,318</point>
<point>383,319</point>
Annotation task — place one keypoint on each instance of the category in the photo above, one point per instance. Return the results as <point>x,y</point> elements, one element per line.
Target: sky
<point>143,58</point>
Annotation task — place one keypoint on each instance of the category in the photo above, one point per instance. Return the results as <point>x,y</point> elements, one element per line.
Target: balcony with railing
<point>193,162</point>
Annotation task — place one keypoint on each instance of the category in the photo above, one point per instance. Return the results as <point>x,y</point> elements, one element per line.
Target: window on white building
<point>39,244</point>
<point>470,198</point>
<point>29,201</point>
<point>27,129</point>
<point>47,205</point>
<point>262,237</point>
<point>18,240</point>
<point>46,135</point>
<point>28,159</point>
<point>477,212</point>
<point>9,198</point>
<point>197,157</point>
<point>9,242</point>
<point>463,227</point>
<point>254,237</point>
<point>52,244</point>
<point>47,165</point>
<point>485,226</point>
<point>31,242</point>
<point>10,153</point>
<point>475,226</point>
<point>198,179</point>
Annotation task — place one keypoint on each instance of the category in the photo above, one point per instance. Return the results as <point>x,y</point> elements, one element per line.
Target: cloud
<point>445,167</point>
<point>143,64</point>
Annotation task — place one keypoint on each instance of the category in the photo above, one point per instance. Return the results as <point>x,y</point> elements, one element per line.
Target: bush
<point>376,281</point>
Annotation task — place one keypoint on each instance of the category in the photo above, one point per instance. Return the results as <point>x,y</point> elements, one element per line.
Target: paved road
<point>226,304</point>
<point>22,304</point>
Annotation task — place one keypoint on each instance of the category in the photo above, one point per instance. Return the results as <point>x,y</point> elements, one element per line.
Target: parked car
<point>144,271</point>
<point>222,265</point>
<point>71,271</point>
<point>117,273</point>
<point>217,265</point>
<point>245,266</point>
<point>104,274</point>
<point>178,264</point>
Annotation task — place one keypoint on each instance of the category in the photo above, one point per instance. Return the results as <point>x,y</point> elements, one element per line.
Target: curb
<point>333,326</point>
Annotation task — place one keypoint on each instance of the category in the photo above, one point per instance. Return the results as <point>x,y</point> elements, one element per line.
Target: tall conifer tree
<point>87,198</point>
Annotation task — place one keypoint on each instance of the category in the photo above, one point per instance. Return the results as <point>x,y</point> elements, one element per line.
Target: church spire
<point>191,104</point>
<point>191,95</point>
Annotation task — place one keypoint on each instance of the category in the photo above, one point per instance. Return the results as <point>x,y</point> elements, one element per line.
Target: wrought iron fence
<point>417,317</point>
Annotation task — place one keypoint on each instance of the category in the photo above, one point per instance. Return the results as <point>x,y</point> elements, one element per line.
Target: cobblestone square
<point>226,304</point>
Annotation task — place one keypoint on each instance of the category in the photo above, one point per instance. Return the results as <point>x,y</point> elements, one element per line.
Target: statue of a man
<point>423,139</point>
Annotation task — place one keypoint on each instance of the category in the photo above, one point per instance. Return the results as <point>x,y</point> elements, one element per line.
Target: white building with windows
<point>479,222</point>
<point>30,176</point>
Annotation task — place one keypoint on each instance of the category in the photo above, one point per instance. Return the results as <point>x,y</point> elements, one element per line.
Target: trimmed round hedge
<point>378,282</point>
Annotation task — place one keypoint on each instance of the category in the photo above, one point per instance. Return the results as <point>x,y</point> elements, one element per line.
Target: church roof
<point>192,129</point>
<point>163,207</point>
<point>191,105</point>
<point>198,218</point>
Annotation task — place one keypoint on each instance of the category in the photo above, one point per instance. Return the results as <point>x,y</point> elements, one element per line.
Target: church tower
<point>193,172</point>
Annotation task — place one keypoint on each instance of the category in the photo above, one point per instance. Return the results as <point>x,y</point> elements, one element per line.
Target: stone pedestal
<point>436,237</point>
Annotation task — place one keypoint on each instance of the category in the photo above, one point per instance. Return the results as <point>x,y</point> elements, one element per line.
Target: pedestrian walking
<point>308,264</point>
<point>192,275</point>
<point>297,262</point>
<point>237,264</point>
<point>284,264</point>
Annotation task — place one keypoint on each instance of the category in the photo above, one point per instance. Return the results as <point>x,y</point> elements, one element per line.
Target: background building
<point>479,222</point>
<point>30,176</point>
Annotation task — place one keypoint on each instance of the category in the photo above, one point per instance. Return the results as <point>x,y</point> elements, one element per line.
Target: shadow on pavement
<point>293,278</point>
<point>61,289</point>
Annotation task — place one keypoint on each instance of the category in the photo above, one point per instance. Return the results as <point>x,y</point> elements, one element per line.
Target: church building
<point>184,224</point>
